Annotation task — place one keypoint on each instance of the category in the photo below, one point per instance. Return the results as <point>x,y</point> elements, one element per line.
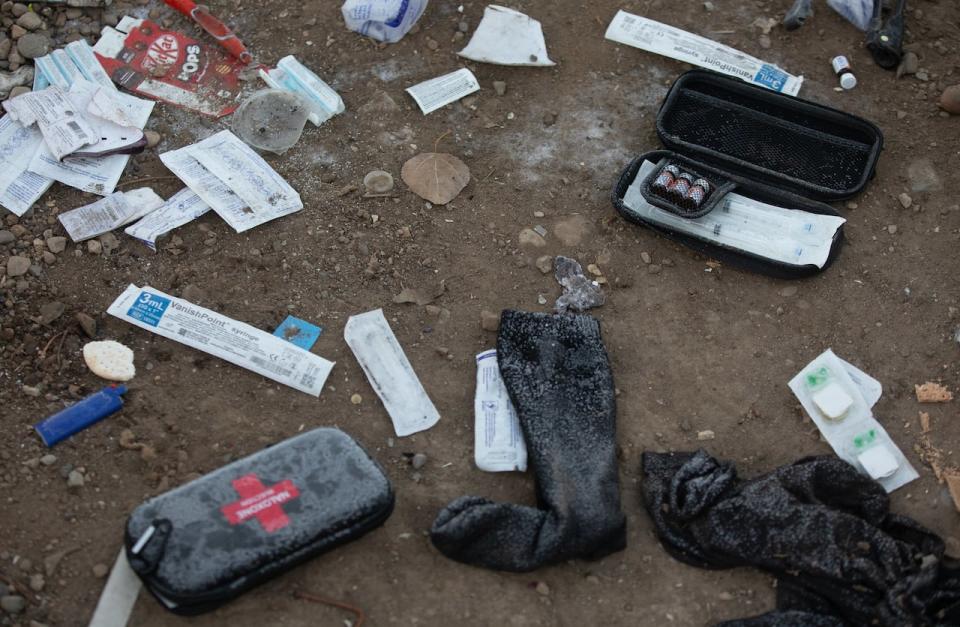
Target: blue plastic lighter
<point>81,415</point>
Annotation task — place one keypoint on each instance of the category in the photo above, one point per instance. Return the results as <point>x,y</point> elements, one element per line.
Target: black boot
<point>556,371</point>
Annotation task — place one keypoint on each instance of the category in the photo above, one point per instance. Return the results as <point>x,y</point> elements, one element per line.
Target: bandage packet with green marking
<point>839,398</point>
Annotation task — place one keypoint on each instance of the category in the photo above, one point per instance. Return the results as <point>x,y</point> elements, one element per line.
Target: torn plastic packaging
<point>384,20</point>
<point>841,557</point>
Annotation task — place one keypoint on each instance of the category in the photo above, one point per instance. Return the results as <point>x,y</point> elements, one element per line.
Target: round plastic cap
<point>848,81</point>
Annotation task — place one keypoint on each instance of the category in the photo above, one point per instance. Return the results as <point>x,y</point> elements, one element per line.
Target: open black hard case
<point>210,540</point>
<point>768,146</point>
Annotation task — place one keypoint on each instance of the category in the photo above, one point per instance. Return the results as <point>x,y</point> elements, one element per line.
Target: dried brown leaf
<point>435,176</point>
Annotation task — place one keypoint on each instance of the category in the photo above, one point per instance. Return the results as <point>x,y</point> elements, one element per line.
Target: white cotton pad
<point>833,401</point>
<point>879,462</point>
<point>110,360</point>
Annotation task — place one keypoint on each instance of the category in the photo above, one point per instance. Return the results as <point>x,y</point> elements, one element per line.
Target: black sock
<point>556,371</point>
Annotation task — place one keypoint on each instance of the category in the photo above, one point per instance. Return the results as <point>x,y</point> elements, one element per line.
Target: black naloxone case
<point>762,144</point>
<point>206,542</point>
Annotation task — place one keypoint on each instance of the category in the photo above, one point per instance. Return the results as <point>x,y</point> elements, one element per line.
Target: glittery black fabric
<point>825,530</point>
<point>556,371</point>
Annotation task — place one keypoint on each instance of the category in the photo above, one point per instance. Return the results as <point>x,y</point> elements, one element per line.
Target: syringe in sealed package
<point>646,34</point>
<point>293,76</point>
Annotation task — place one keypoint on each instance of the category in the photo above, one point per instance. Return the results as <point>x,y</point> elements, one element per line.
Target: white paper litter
<point>181,208</point>
<point>507,37</point>
<point>389,371</point>
<point>858,431</point>
<point>56,116</point>
<point>668,41</point>
<point>119,595</point>
<point>233,180</point>
<point>97,175</point>
<point>439,92</point>
<point>789,236</point>
<point>218,335</point>
<point>19,188</point>
<point>107,214</point>
<point>498,439</point>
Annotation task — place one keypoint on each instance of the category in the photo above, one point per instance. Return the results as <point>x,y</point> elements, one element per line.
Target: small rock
<point>194,294</point>
<point>549,118</point>
<point>13,603</point>
<point>645,257</point>
<point>419,461</point>
<point>37,582</point>
<point>378,182</point>
<point>152,137</point>
<point>529,237</point>
<point>56,244</point>
<point>51,311</point>
<point>905,200</point>
<point>542,588</point>
<point>892,229</point>
<point>500,87</point>
<point>6,237</point>
<point>94,247</point>
<point>594,270</point>
<point>708,6</point>
<point>908,64</point>
<point>109,243</point>
<point>100,570</point>
<point>654,269</point>
<point>16,32</point>
<point>30,21</point>
<point>17,266</point>
<point>30,390</point>
<point>545,264</point>
<point>489,321</point>
<point>380,102</point>
<point>75,479</point>
<point>432,44</point>
<point>33,45</point>
<point>706,435</point>
<point>789,291</point>
<point>49,258</point>
<point>48,459</point>
<point>19,9</point>
<point>356,399</point>
<point>51,562</point>
<point>950,100</point>
<point>573,230</point>
<point>88,324</point>
<point>764,41</point>
<point>923,176</point>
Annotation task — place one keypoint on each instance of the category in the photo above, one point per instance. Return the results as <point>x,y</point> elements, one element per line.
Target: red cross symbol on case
<point>260,502</point>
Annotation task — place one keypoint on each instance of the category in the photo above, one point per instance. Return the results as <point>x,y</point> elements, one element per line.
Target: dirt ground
<point>692,347</point>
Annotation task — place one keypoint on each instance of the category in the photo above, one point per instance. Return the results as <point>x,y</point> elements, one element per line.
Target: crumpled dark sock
<point>820,526</point>
<point>556,371</point>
